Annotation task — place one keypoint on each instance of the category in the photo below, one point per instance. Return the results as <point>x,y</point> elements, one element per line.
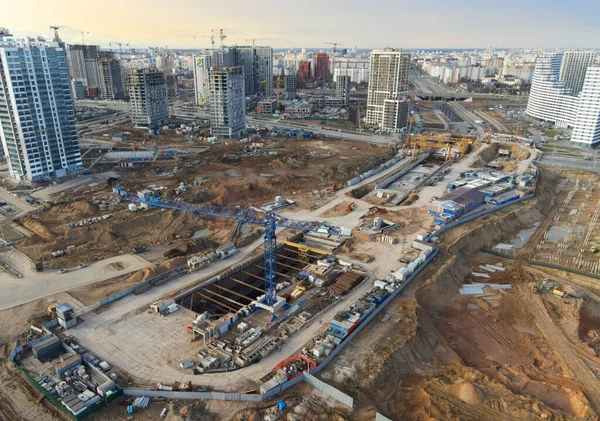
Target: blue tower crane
<point>269,220</point>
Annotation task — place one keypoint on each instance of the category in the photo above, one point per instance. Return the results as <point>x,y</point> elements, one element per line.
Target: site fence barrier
<point>565,268</point>
<point>329,390</point>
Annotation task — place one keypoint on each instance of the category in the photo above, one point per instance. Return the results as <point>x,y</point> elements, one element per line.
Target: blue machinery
<point>269,220</point>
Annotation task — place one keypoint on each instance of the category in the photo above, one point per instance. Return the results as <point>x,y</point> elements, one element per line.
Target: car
<point>81,265</point>
<point>62,270</point>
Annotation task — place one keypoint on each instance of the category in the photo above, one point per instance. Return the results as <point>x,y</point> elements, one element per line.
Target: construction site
<point>302,278</point>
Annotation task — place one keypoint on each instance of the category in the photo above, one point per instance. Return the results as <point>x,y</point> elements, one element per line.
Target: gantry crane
<point>269,220</point>
<point>440,142</point>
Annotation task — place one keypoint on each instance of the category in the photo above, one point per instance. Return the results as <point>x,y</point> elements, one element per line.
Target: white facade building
<point>387,98</point>
<point>551,97</point>
<point>37,110</point>
<point>586,129</point>
<point>202,64</point>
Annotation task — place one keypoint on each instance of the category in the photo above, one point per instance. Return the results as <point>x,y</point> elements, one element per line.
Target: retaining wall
<point>402,172</point>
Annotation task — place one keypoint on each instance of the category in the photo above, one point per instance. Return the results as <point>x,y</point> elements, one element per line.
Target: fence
<point>561,163</point>
<point>330,390</point>
<point>565,268</point>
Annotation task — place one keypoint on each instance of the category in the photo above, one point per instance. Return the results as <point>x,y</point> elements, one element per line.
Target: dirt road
<point>564,349</point>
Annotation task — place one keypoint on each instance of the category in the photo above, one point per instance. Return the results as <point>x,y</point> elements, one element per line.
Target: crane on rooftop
<point>56,28</point>
<point>83,36</point>
<point>269,220</point>
<point>222,36</point>
<point>335,44</point>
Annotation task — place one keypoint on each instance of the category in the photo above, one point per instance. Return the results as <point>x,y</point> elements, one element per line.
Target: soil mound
<point>38,228</point>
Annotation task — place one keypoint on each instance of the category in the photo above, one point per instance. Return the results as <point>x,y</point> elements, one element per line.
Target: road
<point>35,285</point>
<point>46,193</point>
<point>17,202</point>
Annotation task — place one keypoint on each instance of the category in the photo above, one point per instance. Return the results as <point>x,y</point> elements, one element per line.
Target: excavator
<point>351,207</point>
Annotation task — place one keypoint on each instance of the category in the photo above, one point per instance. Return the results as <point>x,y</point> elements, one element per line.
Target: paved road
<point>46,193</point>
<point>16,202</point>
<point>34,285</point>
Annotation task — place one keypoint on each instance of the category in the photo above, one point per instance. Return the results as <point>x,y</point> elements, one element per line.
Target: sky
<point>312,23</point>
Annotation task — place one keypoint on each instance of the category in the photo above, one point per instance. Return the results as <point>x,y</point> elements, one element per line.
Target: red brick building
<point>321,66</point>
<point>304,70</point>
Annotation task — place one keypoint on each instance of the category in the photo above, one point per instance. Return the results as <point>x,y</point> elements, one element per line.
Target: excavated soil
<point>443,356</point>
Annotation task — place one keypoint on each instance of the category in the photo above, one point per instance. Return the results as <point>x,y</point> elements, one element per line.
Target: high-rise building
<point>257,63</point>
<point>82,60</point>
<point>202,65</point>
<point>112,83</point>
<point>387,98</point>
<point>586,128</point>
<point>304,70</point>
<point>227,102</point>
<point>342,89</point>
<point>78,89</point>
<point>149,98</point>
<point>573,68</point>
<point>290,86</point>
<point>321,66</point>
<point>552,96</point>
<point>37,110</point>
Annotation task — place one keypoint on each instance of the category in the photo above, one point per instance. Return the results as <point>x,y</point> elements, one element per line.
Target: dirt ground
<point>506,356</point>
<point>298,169</point>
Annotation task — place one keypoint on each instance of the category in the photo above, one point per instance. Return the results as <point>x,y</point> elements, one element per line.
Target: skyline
<point>460,25</point>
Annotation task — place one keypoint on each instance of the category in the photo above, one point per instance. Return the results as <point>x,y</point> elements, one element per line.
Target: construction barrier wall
<point>565,268</point>
<point>330,390</point>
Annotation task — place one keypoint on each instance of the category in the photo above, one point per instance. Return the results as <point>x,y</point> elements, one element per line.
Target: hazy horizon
<point>402,24</point>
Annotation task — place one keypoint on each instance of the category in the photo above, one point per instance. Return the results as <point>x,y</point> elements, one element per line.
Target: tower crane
<point>83,36</point>
<point>335,44</point>
<point>56,28</point>
<point>222,36</point>
<point>120,44</point>
<point>269,220</point>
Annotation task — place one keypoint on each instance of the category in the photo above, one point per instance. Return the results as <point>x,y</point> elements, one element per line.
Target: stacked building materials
<point>345,282</point>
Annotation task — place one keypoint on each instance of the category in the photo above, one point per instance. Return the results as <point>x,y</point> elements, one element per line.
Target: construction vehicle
<point>334,187</point>
<point>559,293</point>
<point>269,220</point>
<point>351,207</point>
